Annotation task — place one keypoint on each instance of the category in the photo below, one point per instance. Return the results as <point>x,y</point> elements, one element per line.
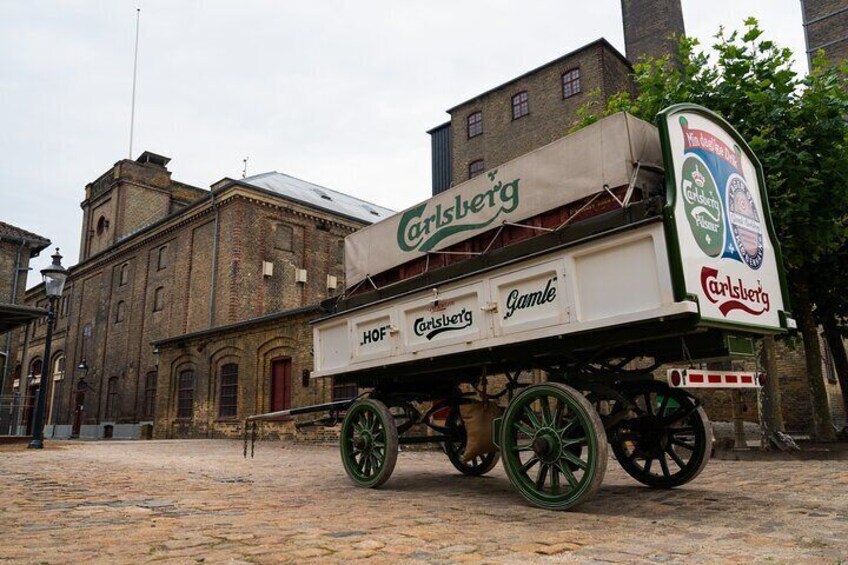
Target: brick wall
<point>253,346</point>
<point>159,283</point>
<point>550,117</point>
<point>827,27</point>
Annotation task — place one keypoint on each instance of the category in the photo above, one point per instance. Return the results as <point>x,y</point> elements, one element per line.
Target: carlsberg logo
<point>422,229</point>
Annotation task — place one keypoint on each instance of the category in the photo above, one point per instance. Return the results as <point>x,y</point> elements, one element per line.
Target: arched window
<point>59,367</point>
<point>150,393</point>
<point>228,405</point>
<point>124,276</point>
<point>284,238</point>
<point>120,311</point>
<point>112,397</point>
<point>35,368</point>
<point>162,258</point>
<point>520,105</point>
<point>159,299</point>
<point>185,394</point>
<point>102,225</point>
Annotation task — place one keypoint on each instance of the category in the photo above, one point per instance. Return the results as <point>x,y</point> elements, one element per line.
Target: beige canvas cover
<point>568,169</point>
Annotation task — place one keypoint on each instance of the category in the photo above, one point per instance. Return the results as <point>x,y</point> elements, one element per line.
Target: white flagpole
<point>135,72</point>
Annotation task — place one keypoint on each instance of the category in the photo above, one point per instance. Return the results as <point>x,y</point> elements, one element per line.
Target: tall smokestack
<point>648,27</point>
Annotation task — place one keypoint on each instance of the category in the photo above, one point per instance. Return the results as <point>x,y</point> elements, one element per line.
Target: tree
<point>797,127</point>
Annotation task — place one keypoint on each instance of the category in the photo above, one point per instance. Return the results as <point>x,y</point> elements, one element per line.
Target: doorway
<point>280,384</point>
<point>79,405</point>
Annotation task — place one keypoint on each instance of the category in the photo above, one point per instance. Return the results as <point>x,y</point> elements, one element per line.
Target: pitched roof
<point>318,196</point>
<point>35,241</point>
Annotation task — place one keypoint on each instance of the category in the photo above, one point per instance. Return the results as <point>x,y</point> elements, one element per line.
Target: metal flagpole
<point>135,71</point>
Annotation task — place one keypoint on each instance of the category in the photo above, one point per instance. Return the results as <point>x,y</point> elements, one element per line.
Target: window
<point>185,394</point>
<point>120,311</point>
<point>520,105</point>
<point>59,367</point>
<point>124,276</point>
<point>102,225</point>
<point>111,397</point>
<point>475,168</point>
<point>159,299</point>
<point>35,368</point>
<point>475,124</point>
<point>571,83</point>
<point>162,258</point>
<point>284,240</point>
<point>344,391</point>
<point>149,394</point>
<point>228,406</point>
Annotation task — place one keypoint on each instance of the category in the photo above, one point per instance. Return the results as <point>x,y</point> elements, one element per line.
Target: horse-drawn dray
<point>524,314</point>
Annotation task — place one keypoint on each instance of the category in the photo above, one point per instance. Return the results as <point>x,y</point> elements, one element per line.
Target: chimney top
<point>150,158</point>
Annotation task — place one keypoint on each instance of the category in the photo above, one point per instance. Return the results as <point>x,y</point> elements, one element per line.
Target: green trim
<point>673,238</point>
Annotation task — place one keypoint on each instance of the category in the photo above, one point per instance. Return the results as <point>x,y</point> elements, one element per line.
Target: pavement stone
<point>200,502</point>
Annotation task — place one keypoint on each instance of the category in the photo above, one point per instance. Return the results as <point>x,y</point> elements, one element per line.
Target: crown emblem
<point>698,178</point>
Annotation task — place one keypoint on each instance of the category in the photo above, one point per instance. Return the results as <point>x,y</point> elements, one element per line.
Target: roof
<point>273,316</point>
<point>13,315</point>
<point>601,42</point>
<point>318,196</point>
<point>37,242</point>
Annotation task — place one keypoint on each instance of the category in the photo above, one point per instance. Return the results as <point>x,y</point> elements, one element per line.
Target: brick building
<point>826,27</point>
<point>17,247</point>
<point>160,259</point>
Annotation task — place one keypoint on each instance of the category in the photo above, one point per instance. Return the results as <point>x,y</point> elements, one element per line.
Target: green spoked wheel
<point>553,445</point>
<point>455,449</point>
<point>668,441</point>
<point>369,443</point>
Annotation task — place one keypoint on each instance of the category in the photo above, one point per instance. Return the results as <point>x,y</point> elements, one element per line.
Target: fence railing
<point>15,412</point>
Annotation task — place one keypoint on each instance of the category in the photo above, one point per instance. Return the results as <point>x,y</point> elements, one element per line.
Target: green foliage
<point>795,125</point>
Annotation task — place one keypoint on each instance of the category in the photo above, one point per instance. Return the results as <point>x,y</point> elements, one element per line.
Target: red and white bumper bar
<point>697,378</point>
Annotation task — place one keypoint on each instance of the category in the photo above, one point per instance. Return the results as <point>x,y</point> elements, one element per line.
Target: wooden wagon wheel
<point>554,446</point>
<point>455,448</point>
<point>668,442</point>
<point>369,443</point>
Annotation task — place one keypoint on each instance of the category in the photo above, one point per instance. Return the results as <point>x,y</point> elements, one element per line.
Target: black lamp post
<point>54,283</point>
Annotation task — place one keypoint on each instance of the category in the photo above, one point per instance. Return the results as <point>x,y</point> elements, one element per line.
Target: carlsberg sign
<point>423,227</point>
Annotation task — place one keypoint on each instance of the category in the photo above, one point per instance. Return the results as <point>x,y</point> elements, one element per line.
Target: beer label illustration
<point>703,206</point>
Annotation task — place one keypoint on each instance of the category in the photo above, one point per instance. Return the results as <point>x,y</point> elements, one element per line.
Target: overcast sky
<point>337,93</point>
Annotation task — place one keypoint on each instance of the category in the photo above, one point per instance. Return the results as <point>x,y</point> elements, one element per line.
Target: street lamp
<point>54,283</point>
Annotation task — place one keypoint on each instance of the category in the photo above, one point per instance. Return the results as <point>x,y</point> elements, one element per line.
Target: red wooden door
<point>79,406</point>
<point>280,384</point>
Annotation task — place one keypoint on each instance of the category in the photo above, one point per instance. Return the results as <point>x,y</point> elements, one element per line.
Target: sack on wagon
<point>479,418</point>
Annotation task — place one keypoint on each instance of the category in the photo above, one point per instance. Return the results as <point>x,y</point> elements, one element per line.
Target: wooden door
<point>79,406</point>
<point>280,384</point>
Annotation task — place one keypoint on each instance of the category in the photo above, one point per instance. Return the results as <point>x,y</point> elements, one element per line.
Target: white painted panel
<point>455,317</point>
<point>332,345</point>
<point>529,298</point>
<point>372,336</point>
<point>617,279</point>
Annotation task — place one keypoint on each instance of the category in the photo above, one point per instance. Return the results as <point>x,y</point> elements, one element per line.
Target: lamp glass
<point>55,276</point>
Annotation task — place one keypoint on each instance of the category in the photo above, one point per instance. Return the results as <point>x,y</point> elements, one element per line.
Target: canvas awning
<point>604,154</point>
<point>13,316</point>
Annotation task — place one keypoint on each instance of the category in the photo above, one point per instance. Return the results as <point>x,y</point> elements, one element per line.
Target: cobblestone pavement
<point>199,501</point>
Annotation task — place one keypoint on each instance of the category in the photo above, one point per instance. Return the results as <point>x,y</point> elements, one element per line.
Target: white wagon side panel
<point>619,279</point>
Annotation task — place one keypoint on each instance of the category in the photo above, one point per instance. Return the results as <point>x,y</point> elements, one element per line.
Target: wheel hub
<point>547,445</point>
<point>653,436</point>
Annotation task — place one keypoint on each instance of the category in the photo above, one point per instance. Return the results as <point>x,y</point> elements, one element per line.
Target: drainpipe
<point>15,276</point>
<point>214,263</point>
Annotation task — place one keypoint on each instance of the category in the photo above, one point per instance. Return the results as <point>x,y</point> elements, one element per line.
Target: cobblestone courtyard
<point>199,501</point>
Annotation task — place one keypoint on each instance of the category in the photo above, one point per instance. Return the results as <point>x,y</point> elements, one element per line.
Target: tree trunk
<point>770,408</point>
<point>822,422</point>
<point>840,358</point>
